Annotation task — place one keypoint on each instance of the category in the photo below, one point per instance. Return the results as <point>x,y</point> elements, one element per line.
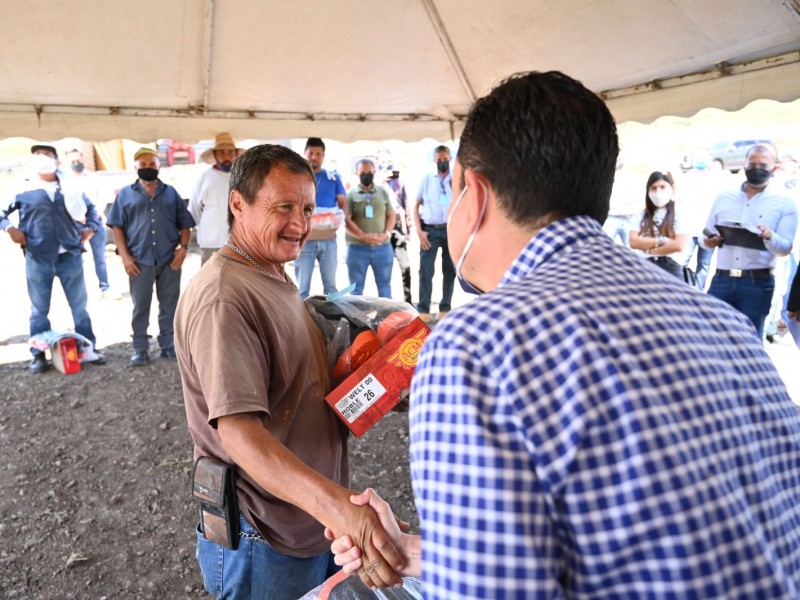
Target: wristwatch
<point>184,246</point>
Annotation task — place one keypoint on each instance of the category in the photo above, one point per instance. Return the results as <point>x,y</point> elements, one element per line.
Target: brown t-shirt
<point>246,343</point>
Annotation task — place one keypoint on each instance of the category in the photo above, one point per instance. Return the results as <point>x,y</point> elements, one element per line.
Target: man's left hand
<point>766,232</point>
<point>86,234</point>
<point>177,258</point>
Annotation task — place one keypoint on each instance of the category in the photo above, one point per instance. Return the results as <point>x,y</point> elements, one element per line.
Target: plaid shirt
<point>594,428</point>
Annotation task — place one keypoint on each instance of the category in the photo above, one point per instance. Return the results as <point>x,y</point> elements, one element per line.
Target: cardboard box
<point>376,386</point>
<point>65,355</point>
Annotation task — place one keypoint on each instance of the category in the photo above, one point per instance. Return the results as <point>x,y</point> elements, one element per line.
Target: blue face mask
<point>462,281</point>
<point>224,167</point>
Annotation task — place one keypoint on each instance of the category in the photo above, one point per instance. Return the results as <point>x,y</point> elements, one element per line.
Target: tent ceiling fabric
<point>358,69</point>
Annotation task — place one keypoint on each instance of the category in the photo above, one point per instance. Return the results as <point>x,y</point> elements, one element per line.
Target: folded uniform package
<point>373,345</point>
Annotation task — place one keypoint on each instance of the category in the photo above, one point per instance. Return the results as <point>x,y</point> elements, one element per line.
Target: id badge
<point>368,212</point>
<point>443,199</point>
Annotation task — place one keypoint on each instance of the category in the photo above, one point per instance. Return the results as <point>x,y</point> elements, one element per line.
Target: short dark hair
<point>441,148</point>
<point>365,161</point>
<point>252,167</point>
<point>314,142</point>
<point>547,144</point>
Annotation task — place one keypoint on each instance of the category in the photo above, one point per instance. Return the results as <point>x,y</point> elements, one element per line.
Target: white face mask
<point>43,164</point>
<point>660,197</point>
<point>466,285</point>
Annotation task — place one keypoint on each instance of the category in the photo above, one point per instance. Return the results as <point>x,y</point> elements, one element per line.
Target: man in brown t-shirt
<point>254,372</point>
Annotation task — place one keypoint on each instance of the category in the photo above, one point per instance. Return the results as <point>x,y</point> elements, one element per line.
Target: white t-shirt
<point>209,208</point>
<point>658,217</point>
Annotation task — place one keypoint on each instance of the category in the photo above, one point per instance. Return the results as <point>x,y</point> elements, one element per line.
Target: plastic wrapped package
<point>327,218</point>
<point>342,587</point>
<point>356,327</point>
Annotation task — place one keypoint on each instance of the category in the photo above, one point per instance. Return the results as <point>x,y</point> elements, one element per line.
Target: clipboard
<point>734,235</point>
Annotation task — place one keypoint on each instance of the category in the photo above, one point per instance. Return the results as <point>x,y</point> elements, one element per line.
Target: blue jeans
<point>40,275</point>
<point>437,236</point>
<point>323,251</point>
<point>751,297</point>
<point>703,262</point>
<point>256,570</point>
<point>98,244</point>
<point>168,289</point>
<point>618,226</point>
<point>381,258</point>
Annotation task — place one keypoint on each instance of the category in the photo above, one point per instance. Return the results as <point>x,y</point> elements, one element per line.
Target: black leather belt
<point>435,226</point>
<point>753,273</point>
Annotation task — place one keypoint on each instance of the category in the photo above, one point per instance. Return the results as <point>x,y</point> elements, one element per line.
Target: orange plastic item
<point>363,347</point>
<point>393,323</point>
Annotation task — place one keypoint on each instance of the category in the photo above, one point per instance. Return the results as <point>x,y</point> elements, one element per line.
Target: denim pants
<point>751,297</point>
<point>168,289</point>
<point>618,226</point>
<point>323,251</point>
<point>40,275</point>
<point>256,570</point>
<point>381,258</point>
<point>98,244</point>
<point>437,236</point>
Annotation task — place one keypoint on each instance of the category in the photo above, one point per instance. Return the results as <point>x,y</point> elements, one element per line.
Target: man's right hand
<point>714,241</point>
<point>381,560</point>
<point>131,268</point>
<point>423,240</point>
<point>17,236</point>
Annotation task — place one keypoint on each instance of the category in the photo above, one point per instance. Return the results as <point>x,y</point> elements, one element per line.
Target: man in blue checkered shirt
<point>588,427</point>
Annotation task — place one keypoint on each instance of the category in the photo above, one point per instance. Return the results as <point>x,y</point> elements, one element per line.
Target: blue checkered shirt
<point>594,428</point>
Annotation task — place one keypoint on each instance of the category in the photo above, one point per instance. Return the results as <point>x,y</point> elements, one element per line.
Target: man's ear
<point>480,190</point>
<point>236,202</point>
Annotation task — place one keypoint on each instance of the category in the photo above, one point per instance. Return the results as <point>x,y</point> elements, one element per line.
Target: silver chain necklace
<point>244,254</point>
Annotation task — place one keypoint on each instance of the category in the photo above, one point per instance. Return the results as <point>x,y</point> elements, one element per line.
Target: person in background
<point>401,232</point>
<point>209,202</point>
<point>698,188</point>
<point>53,225</point>
<point>152,227</point>
<point>587,427</point>
<point>744,277</point>
<point>625,204</point>
<point>321,244</point>
<point>658,232</point>
<point>254,370</point>
<point>98,241</point>
<point>370,221</point>
<point>430,220</point>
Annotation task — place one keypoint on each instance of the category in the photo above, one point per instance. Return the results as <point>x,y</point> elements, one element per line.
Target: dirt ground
<point>95,481</point>
<point>94,466</point>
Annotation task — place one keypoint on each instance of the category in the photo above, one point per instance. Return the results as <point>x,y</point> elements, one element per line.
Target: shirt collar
<point>548,241</point>
<point>137,185</point>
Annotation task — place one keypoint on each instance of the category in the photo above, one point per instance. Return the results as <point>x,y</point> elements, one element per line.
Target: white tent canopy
<point>380,69</point>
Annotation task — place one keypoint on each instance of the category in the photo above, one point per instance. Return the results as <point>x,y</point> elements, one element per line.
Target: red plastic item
<point>65,356</point>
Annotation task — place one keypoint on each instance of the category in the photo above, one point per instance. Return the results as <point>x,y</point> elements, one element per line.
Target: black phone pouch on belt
<point>213,487</point>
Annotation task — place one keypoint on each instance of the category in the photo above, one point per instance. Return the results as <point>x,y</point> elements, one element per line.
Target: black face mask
<point>443,166</point>
<point>757,176</point>
<point>78,167</point>
<point>224,167</point>
<point>147,174</point>
<point>366,179</point>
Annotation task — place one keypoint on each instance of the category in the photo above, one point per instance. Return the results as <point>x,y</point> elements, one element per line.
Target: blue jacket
<point>47,225</point>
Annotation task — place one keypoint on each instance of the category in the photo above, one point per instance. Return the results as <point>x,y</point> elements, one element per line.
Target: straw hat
<point>223,141</point>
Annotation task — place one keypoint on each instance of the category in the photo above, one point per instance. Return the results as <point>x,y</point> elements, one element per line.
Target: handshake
<point>373,572</point>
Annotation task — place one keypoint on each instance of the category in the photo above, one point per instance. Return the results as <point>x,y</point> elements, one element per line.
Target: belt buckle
<point>735,273</point>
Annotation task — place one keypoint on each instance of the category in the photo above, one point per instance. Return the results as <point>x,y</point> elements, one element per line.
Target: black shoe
<point>140,359</point>
<point>99,359</point>
<point>169,354</point>
<point>39,364</point>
